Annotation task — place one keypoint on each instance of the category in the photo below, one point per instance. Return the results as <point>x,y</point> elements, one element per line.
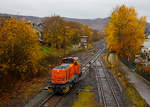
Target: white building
<point>146,47</point>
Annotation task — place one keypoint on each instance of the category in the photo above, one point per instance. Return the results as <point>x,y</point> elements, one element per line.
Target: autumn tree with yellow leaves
<point>59,33</point>
<point>19,49</point>
<point>87,31</point>
<point>125,32</point>
<point>56,32</point>
<point>96,35</point>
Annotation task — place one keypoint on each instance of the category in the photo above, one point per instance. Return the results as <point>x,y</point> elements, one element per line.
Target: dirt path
<point>141,86</point>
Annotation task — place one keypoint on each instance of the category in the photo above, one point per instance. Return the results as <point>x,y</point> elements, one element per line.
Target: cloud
<point>71,8</point>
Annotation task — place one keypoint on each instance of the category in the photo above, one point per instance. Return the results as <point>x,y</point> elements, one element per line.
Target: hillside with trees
<point>59,33</point>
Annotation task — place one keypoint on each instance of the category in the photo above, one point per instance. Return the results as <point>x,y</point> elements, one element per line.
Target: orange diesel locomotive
<point>64,76</point>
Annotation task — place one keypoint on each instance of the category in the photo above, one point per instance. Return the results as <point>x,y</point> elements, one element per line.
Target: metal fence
<point>142,55</point>
<point>128,64</point>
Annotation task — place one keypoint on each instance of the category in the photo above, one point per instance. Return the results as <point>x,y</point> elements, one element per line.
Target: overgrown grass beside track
<point>59,52</point>
<point>53,56</point>
<point>143,71</point>
<point>86,99</point>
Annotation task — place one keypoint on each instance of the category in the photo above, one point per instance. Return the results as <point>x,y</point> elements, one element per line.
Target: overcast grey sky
<point>71,8</point>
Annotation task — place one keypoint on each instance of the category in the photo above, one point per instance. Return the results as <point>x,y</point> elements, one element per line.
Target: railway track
<point>45,100</point>
<point>109,91</point>
<point>117,90</point>
<point>54,100</point>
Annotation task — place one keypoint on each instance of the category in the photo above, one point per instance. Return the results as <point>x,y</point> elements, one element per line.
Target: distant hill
<point>33,19</point>
<point>98,24</point>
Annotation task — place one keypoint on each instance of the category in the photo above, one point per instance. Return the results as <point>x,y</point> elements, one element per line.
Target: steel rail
<point>100,88</point>
<point>115,80</point>
<point>45,100</point>
<point>110,85</point>
<point>92,59</point>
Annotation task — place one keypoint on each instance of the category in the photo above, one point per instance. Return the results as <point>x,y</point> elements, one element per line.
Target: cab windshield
<point>67,61</point>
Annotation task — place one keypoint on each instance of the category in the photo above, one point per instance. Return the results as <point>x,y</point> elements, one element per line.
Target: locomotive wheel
<point>66,89</point>
<point>76,79</point>
<point>80,74</point>
<point>50,90</point>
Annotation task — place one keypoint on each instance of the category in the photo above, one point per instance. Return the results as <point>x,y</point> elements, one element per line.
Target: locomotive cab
<point>68,61</point>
